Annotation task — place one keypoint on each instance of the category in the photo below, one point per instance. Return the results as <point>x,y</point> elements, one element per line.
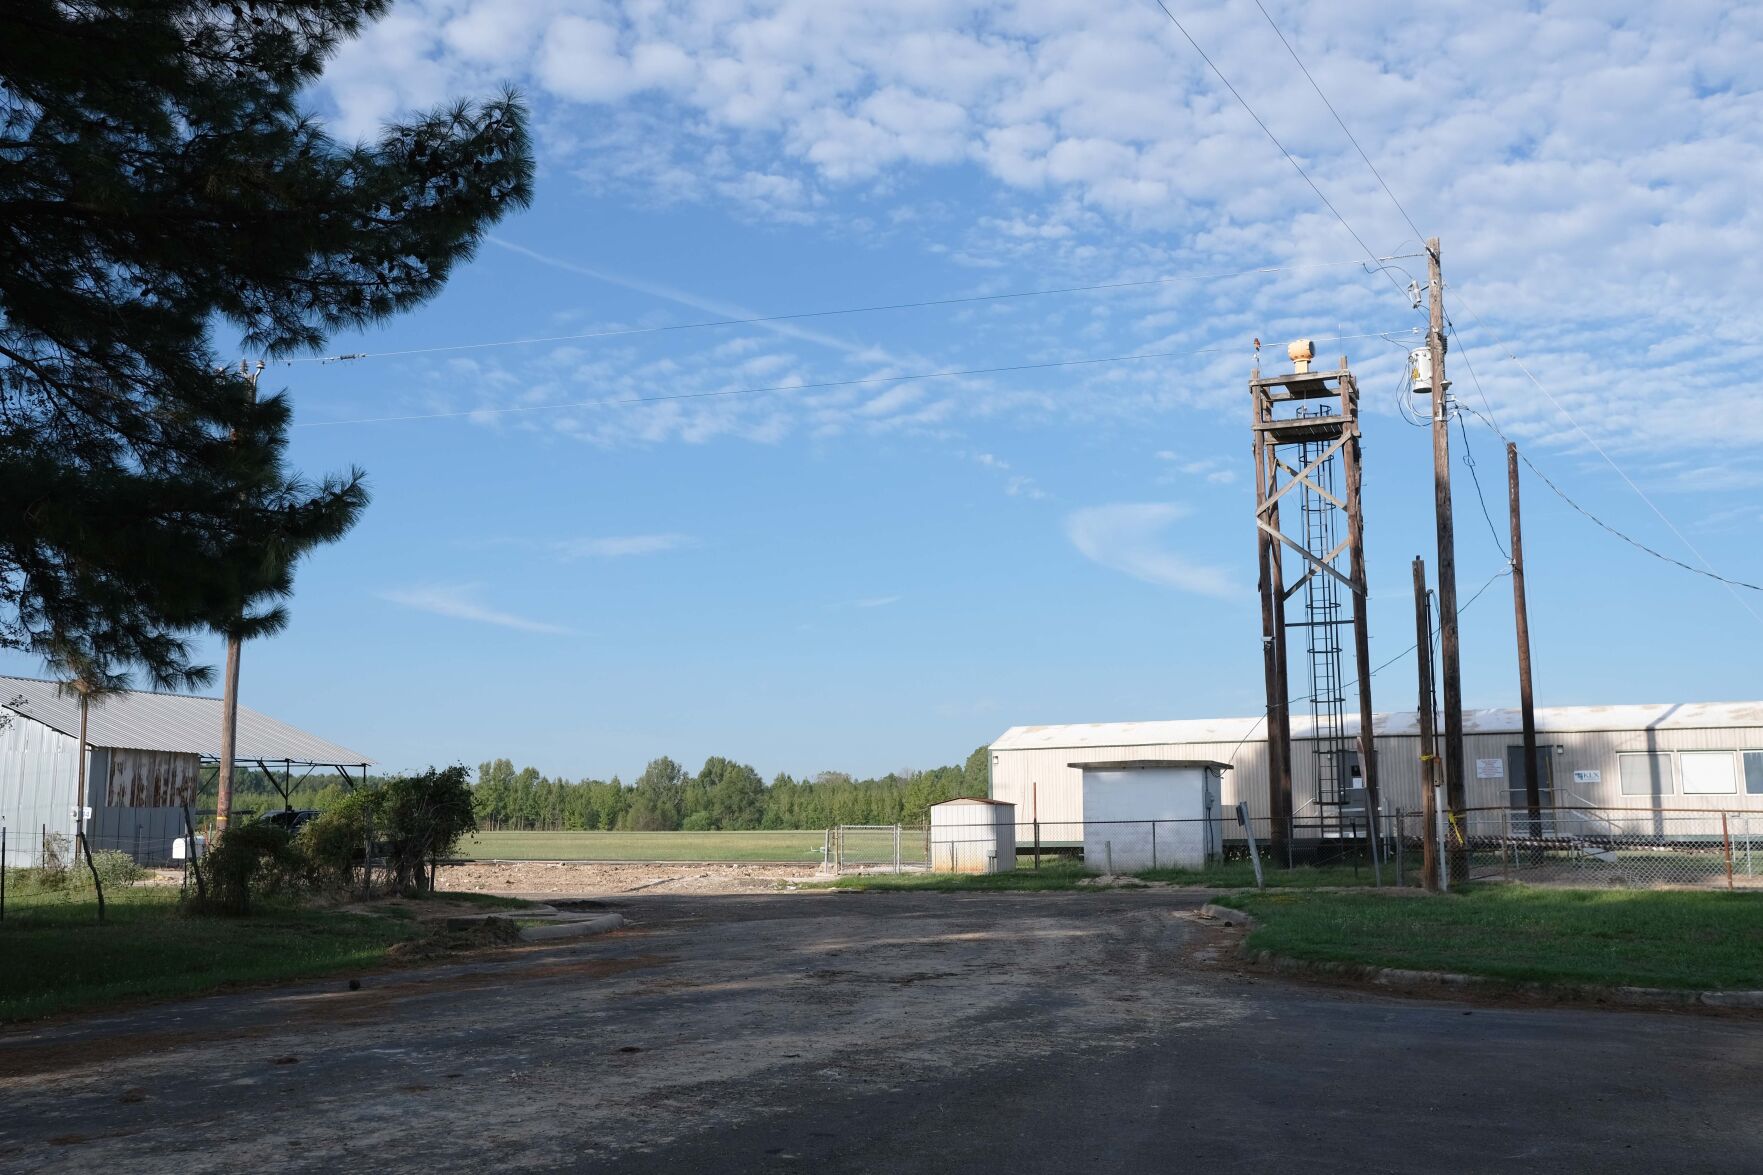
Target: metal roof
<point>1549,719</point>
<point>143,721</point>
<point>1147,764</point>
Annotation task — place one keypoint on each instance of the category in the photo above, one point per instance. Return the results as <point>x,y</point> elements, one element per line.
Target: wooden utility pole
<point>1279,770</point>
<point>1441,479</point>
<point>229,703</point>
<point>1533,799</point>
<point>1355,468</point>
<point>1429,864</point>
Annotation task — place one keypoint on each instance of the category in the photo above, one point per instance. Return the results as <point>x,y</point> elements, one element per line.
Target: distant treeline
<point>665,798</point>
<point>724,795</point>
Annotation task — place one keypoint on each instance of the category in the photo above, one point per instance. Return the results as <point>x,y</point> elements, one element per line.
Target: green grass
<point>1235,874</point>
<point>1647,938</point>
<point>55,957</point>
<point>646,846</point>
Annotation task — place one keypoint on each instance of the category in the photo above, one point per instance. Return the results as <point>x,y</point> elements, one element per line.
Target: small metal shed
<point>1152,814</point>
<point>972,836</point>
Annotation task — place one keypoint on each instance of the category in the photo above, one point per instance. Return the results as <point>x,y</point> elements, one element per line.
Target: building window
<point>1646,773</point>
<point>1754,773</point>
<point>1707,773</point>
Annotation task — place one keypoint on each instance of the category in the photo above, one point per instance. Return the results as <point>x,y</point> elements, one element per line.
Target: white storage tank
<point>972,836</point>
<point>1152,814</point>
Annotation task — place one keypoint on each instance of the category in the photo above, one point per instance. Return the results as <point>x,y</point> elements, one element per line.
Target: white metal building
<point>1706,756</point>
<point>146,756</point>
<point>972,836</point>
<point>1151,814</point>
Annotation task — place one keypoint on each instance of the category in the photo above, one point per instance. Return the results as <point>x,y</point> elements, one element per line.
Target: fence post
<point>2,875</point>
<point>1506,866</point>
<point>1037,845</point>
<point>1108,851</point>
<point>1726,840</point>
<point>1153,844</point>
<point>896,849</point>
<point>1401,875</point>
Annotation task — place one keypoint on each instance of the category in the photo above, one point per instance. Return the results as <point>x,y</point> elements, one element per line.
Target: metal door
<point>1516,797</point>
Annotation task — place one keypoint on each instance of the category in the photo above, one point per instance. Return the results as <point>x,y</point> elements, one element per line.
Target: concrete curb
<point>581,928</point>
<point>1402,979</point>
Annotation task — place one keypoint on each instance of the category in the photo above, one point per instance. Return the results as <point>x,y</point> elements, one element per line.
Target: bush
<point>422,818</point>
<point>697,822</point>
<point>334,844</point>
<point>115,870</point>
<point>245,859</point>
<point>411,821</point>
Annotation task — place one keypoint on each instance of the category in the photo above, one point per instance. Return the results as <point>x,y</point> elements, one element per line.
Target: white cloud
<point>462,602</point>
<point>875,601</point>
<point>1591,170</point>
<point>620,546</point>
<point>1129,537</point>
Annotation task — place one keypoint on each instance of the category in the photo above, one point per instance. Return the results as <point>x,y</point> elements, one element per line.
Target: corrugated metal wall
<point>39,774</point>
<point>39,770</point>
<point>1042,780</point>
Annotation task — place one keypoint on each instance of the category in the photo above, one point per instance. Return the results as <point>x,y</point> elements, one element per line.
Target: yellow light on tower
<point>1301,353</point>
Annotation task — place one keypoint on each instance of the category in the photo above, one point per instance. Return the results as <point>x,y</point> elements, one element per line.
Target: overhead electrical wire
<point>1707,569</point>
<point>1341,122</point>
<point>1274,139</point>
<point>802,387</point>
<point>762,319</point>
<point>1434,632</point>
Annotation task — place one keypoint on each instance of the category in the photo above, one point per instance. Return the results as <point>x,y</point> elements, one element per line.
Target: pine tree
<point>157,177</point>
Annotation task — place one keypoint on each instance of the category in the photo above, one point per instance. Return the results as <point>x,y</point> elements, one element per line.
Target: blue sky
<point>885,575</point>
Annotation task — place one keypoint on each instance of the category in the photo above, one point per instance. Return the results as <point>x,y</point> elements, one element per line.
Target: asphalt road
<point>877,1032</point>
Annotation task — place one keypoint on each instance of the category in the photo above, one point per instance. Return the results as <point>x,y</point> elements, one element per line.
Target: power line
<point>1274,139</point>
<point>1340,122</point>
<point>1629,539</point>
<point>761,319</point>
<point>1707,570</point>
<point>1290,702</point>
<point>1474,477</point>
<point>805,387</point>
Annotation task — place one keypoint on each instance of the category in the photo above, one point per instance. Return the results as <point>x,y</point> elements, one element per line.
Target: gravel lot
<point>849,1032</point>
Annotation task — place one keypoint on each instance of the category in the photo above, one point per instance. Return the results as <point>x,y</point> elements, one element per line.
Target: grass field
<point>55,957</point>
<point>1065,873</point>
<point>803,847</point>
<point>1656,938</point>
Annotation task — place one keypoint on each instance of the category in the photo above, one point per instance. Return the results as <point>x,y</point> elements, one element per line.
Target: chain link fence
<point>875,848</point>
<point>1577,846</point>
<point>1594,847</point>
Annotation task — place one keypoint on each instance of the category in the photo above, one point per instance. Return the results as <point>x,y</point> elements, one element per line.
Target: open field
<point>913,1033</point>
<point>803,846</point>
<point>1649,938</point>
<point>56,957</point>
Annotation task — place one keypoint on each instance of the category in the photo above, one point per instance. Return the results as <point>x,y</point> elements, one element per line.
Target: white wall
<point>1149,818</point>
<point>39,772</point>
<point>1042,778</point>
<point>969,837</point>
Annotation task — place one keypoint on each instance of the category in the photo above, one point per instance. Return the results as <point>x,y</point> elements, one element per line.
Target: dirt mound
<point>442,941</point>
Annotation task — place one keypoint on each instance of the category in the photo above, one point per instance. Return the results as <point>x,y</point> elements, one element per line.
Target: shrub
<point>411,821</point>
<point>697,822</point>
<point>245,859</point>
<point>115,870</point>
<point>334,844</point>
<point>422,817</point>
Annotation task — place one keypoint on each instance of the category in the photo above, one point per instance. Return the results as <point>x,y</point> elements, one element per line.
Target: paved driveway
<point>877,1032</point>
